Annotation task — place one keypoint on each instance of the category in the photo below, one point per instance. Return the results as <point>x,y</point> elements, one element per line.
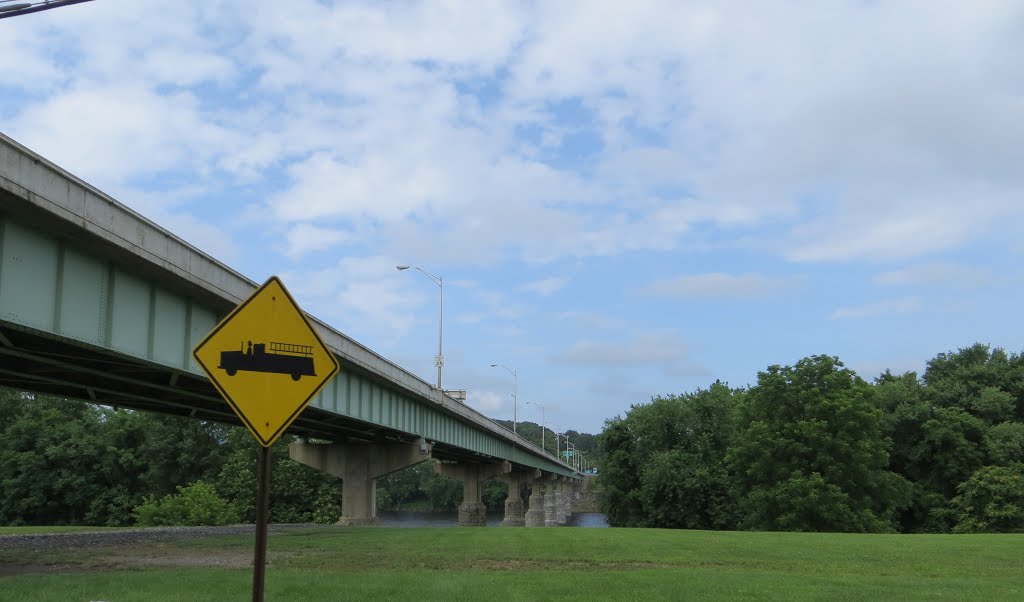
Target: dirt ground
<point>116,550</point>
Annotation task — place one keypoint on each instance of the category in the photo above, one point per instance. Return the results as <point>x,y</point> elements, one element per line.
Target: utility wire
<point>16,8</point>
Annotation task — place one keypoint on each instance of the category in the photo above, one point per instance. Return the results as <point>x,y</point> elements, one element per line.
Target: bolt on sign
<point>267,361</point>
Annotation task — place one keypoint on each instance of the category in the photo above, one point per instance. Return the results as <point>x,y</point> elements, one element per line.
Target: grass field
<point>534,564</point>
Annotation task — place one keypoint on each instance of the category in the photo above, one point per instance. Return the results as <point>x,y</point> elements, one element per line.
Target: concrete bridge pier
<point>570,493</point>
<point>551,503</point>
<point>359,467</point>
<point>560,500</point>
<point>472,512</point>
<point>515,514</point>
<point>538,499</point>
<point>564,511</point>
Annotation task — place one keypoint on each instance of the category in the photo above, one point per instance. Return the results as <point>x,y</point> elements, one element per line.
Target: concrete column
<point>538,499</point>
<point>535,515</point>
<point>359,467</point>
<point>551,504</point>
<point>561,501</point>
<point>515,515</point>
<point>472,512</point>
<point>570,493</point>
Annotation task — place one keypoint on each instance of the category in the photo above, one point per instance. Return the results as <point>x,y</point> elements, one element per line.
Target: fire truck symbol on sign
<point>282,358</point>
<point>267,361</point>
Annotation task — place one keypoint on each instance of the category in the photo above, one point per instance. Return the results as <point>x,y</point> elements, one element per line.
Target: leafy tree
<point>403,486</point>
<point>664,463</point>
<point>1004,443</point>
<point>678,491</point>
<point>950,449</point>
<point>811,455</point>
<point>178,450</point>
<point>493,494</point>
<point>585,443</point>
<point>51,461</point>
<point>960,416</point>
<point>620,474</point>
<point>296,490</point>
<point>69,462</point>
<point>991,500</point>
<point>443,492</point>
<point>989,383</point>
<point>935,447</point>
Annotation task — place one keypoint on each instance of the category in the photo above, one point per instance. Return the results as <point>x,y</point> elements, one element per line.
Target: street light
<point>439,358</point>
<point>515,393</point>
<point>542,423</point>
<point>7,9</point>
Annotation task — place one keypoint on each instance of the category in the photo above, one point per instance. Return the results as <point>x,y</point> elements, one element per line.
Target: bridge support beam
<point>359,467</point>
<point>472,512</point>
<point>535,516</point>
<point>515,513</point>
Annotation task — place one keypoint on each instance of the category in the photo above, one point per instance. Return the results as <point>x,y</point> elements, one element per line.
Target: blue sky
<point>624,199</point>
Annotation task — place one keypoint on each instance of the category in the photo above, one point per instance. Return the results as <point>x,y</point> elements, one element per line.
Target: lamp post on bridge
<point>515,393</point>
<point>439,358</point>
<point>557,450</point>
<point>534,403</point>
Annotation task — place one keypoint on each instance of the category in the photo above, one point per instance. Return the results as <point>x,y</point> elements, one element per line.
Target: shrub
<point>197,504</point>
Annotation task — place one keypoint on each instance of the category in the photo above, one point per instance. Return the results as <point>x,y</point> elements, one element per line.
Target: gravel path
<point>117,548</point>
<point>122,537</point>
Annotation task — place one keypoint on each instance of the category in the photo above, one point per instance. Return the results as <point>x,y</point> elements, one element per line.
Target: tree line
<point>69,462</point>
<point>814,447</point>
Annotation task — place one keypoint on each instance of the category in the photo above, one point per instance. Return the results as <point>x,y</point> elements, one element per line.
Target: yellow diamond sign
<point>267,361</point>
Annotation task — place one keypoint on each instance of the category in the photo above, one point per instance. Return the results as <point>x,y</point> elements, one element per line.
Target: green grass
<point>542,564</point>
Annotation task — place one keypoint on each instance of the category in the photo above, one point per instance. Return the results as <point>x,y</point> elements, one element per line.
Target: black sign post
<point>259,563</point>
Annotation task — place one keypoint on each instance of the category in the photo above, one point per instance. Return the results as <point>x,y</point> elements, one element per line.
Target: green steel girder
<point>79,322</point>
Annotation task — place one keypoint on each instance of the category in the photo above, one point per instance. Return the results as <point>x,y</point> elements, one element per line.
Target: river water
<point>405,518</point>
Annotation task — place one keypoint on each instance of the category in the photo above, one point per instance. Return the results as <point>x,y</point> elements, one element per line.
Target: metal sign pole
<point>259,563</point>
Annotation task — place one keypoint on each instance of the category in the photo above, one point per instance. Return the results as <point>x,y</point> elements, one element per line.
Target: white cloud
<point>717,285</point>
<point>303,238</point>
<point>891,306</point>
<point>390,115</point>
<point>359,294</point>
<point>884,231</point>
<point>591,320</point>
<point>488,402</point>
<point>546,286</point>
<point>937,274</point>
<point>659,349</point>
<point>114,134</point>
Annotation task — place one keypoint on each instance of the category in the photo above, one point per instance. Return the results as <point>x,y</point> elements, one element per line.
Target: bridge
<point>101,304</point>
